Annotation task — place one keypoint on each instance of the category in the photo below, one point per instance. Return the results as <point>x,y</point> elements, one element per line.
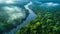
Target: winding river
<point>31,16</point>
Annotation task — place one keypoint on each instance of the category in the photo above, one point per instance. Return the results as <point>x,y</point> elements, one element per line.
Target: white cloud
<point>10,1</point>
<point>2,1</point>
<point>50,4</point>
<point>7,1</point>
<point>14,12</point>
<point>12,8</point>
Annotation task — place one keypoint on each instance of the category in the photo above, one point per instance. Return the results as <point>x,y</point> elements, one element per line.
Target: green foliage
<point>46,22</point>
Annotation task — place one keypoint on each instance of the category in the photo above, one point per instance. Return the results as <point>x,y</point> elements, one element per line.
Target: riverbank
<point>30,17</point>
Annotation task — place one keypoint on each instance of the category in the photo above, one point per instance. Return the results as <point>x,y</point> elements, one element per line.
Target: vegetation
<point>9,19</point>
<point>46,22</point>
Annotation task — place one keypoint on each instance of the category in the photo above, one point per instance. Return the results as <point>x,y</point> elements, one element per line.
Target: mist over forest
<point>29,16</point>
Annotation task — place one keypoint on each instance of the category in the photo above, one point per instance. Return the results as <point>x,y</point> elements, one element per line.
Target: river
<point>31,16</point>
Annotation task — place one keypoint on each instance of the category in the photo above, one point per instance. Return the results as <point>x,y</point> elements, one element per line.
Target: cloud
<point>2,1</point>
<point>7,1</point>
<point>14,12</point>
<point>50,4</point>
<point>12,1</point>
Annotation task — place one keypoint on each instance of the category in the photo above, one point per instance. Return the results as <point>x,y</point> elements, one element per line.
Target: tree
<point>44,23</point>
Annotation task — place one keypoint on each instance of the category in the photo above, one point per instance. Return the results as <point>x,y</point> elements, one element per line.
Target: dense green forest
<point>29,16</point>
<point>46,22</point>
